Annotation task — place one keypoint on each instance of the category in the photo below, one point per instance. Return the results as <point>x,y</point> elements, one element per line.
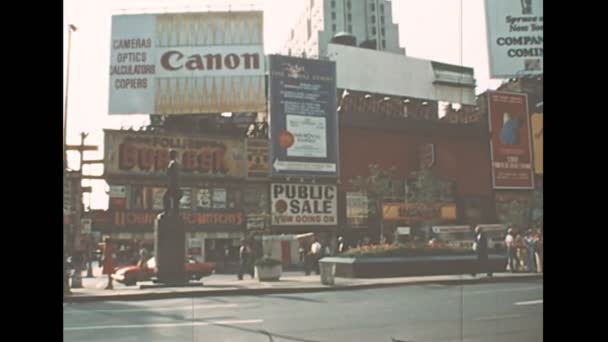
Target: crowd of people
<point>524,251</point>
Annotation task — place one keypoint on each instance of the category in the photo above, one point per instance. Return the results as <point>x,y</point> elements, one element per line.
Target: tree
<point>426,188</point>
<point>515,215</point>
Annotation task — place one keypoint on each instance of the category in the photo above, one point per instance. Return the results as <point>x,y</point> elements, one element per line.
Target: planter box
<point>268,273</point>
<point>383,267</point>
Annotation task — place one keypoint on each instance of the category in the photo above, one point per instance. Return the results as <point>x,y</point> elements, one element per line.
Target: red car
<point>130,275</point>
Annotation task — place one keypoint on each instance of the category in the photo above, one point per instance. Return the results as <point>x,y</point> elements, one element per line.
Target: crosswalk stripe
<point>163,325</point>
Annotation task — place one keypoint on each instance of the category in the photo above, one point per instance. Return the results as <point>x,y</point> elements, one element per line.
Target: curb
<point>267,291</point>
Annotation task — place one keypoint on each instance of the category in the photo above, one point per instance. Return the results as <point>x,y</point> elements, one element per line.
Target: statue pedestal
<point>170,249</point>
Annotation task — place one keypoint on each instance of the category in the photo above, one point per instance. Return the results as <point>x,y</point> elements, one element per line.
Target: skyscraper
<point>369,21</point>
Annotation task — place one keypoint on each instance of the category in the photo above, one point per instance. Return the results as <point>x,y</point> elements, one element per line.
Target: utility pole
<point>79,256</point>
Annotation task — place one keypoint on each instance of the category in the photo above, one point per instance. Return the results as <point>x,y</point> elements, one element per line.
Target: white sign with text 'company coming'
<point>515,37</point>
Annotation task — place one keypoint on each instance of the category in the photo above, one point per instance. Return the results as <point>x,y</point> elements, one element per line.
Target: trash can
<point>328,272</point>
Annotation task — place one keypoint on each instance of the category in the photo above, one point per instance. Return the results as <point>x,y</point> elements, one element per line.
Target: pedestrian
<point>144,255</point>
<point>108,261</point>
<point>539,251</point>
<point>315,251</point>
<point>307,256</point>
<point>481,247</point>
<point>341,245</point>
<point>245,256</point>
<point>521,252</point>
<point>530,243</point>
<point>301,252</point>
<point>512,261</point>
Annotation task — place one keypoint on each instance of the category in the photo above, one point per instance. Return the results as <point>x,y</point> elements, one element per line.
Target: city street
<point>485,312</point>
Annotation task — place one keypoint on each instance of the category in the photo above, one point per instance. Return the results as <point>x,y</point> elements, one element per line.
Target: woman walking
<point>108,262</point>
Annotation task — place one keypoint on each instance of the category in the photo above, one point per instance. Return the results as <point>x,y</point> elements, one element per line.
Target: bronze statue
<point>174,193</point>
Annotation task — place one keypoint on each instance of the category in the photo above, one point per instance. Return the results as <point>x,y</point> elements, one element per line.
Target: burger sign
<point>304,204</point>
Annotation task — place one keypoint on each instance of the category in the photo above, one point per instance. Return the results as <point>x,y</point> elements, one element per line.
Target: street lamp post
<point>65,125</point>
<point>67,84</point>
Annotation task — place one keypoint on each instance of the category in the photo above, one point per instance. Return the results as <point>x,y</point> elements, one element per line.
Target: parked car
<point>130,275</point>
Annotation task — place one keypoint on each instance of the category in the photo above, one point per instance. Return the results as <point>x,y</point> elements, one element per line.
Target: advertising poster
<point>537,142</point>
<point>157,197</point>
<point>187,63</point>
<point>304,205</point>
<point>303,119</point>
<point>258,165</point>
<point>411,213</point>
<point>204,199</point>
<point>357,209</point>
<point>132,153</point>
<point>511,148</point>
<point>186,201</point>
<point>219,198</point>
<point>515,37</point>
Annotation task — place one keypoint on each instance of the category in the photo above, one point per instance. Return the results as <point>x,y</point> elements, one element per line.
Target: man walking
<point>315,251</point>
<point>481,242</point>
<point>246,257</point>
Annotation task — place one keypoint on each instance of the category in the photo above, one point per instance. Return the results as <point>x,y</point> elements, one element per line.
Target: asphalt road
<point>504,312</point>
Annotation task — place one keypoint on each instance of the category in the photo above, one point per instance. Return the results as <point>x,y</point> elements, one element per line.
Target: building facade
<point>456,154</point>
<point>223,180</point>
<point>367,20</point>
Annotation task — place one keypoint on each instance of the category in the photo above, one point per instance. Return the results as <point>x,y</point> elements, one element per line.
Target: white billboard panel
<point>515,37</point>
<point>187,63</point>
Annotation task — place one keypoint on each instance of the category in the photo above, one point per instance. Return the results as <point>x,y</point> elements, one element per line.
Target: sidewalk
<point>290,282</point>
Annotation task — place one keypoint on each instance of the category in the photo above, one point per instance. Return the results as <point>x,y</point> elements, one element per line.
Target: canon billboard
<point>184,63</point>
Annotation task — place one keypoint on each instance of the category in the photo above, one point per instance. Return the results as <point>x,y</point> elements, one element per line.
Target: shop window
<point>219,198</point>
<point>204,198</point>
<point>136,197</point>
<point>234,199</point>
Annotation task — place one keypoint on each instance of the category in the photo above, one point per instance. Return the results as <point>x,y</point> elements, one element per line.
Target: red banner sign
<point>511,146</point>
<point>132,218</point>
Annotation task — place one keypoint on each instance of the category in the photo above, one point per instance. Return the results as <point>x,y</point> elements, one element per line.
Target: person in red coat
<point>108,262</point>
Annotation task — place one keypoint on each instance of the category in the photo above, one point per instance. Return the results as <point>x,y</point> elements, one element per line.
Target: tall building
<point>367,20</point>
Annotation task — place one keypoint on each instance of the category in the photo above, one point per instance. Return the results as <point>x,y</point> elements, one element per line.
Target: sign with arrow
<point>303,118</point>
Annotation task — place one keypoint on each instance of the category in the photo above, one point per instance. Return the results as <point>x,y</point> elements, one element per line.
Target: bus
<point>458,236</point>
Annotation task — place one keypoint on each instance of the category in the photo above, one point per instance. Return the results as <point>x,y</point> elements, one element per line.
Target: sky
<point>428,29</point>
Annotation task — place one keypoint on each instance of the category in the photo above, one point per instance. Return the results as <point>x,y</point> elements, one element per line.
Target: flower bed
<point>404,250</point>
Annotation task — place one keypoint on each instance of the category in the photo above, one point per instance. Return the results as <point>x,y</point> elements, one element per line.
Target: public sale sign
<point>511,147</point>
<point>304,205</point>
